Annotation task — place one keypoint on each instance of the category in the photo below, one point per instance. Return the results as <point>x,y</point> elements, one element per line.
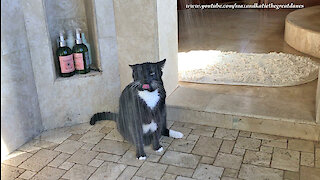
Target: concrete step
<point>288,111</point>
<point>308,131</point>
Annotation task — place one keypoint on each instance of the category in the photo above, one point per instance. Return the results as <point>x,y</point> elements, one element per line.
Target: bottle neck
<point>62,44</point>
<point>78,41</point>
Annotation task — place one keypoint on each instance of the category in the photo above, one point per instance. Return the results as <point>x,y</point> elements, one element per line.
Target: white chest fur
<point>149,127</point>
<point>151,98</point>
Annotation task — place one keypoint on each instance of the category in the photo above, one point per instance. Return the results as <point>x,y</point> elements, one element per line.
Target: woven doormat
<point>272,69</point>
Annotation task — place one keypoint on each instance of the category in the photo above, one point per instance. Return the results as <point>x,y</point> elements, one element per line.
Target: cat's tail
<point>103,116</point>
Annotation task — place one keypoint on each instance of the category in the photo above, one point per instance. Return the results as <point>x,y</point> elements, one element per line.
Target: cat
<point>142,109</point>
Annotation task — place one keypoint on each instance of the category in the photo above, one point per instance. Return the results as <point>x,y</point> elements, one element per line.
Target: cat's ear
<point>161,63</point>
<point>132,67</point>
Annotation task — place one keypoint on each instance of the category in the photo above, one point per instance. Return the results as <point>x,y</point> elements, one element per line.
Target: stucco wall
<point>168,41</point>
<point>20,113</point>
<point>147,32</point>
<point>136,28</point>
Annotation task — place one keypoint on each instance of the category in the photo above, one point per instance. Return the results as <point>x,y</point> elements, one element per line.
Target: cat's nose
<point>146,81</point>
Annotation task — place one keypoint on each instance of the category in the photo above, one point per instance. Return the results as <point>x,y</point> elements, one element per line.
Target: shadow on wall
<point>20,112</point>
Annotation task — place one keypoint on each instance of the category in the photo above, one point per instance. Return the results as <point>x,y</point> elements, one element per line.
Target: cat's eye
<point>152,73</point>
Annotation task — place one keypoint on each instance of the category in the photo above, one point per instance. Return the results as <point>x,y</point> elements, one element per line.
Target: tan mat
<point>272,69</point>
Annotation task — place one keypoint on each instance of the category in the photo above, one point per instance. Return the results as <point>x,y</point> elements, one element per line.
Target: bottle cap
<point>78,37</point>
<point>62,43</point>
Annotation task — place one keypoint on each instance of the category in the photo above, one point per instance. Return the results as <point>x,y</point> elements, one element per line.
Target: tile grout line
<point>49,148</point>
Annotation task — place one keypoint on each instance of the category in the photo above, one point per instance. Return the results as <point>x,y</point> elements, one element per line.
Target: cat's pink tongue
<point>145,86</point>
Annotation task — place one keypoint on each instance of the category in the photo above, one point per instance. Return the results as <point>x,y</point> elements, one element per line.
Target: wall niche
<point>65,15</point>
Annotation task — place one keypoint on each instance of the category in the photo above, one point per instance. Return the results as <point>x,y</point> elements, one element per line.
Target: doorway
<point>243,31</point>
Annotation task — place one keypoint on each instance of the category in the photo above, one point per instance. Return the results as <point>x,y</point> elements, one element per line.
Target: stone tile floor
<point>99,152</point>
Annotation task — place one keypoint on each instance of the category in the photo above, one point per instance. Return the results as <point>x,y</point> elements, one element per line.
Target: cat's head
<point>147,76</point>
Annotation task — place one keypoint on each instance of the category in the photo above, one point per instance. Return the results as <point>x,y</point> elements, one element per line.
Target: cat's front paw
<point>142,158</point>
<point>160,149</point>
<point>175,134</point>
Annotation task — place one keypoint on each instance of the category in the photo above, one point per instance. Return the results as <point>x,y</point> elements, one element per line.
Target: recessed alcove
<point>72,100</point>
<point>69,15</point>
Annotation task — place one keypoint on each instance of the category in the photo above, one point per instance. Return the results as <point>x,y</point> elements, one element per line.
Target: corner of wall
<point>318,101</point>
<point>20,116</point>
<point>167,26</point>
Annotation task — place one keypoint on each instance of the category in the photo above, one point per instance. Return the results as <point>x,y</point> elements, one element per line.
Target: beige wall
<point>168,41</point>
<point>20,112</point>
<point>137,35</point>
<point>147,32</point>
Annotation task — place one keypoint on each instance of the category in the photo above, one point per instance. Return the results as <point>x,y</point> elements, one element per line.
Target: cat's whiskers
<point>157,85</point>
<point>135,84</point>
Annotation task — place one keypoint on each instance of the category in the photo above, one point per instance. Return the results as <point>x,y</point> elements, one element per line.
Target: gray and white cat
<point>142,109</point>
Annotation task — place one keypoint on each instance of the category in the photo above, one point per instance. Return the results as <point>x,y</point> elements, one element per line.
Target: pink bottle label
<point>66,64</point>
<point>78,59</point>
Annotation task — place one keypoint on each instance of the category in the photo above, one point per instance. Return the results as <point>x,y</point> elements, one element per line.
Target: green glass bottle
<point>80,55</point>
<point>65,59</point>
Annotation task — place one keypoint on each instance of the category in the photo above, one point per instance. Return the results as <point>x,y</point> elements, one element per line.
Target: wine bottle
<point>65,58</point>
<point>80,55</point>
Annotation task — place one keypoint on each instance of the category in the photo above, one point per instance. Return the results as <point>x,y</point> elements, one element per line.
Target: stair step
<point>308,131</point>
